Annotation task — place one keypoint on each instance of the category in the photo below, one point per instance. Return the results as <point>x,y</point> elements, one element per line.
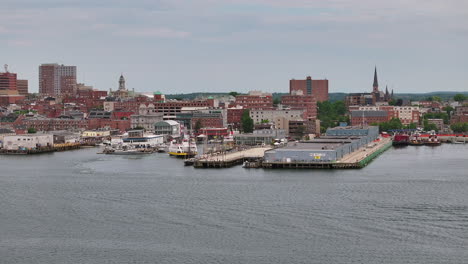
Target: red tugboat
<point>401,139</point>
<point>433,140</point>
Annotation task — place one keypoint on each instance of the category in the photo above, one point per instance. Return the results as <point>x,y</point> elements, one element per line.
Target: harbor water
<point>410,205</point>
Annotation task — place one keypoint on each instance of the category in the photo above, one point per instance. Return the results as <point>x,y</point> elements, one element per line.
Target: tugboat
<point>433,140</point>
<point>415,140</point>
<point>400,139</point>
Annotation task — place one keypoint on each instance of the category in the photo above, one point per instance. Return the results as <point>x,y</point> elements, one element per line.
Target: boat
<point>400,139</point>
<point>432,140</point>
<point>184,149</point>
<point>127,150</point>
<point>415,139</point>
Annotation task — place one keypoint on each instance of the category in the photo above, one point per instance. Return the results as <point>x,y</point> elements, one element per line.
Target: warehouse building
<point>337,143</point>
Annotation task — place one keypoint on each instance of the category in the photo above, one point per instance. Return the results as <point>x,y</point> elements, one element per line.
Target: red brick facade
<point>317,88</point>
<point>297,102</point>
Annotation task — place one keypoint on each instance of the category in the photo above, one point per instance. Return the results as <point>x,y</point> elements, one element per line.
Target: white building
<point>28,141</point>
<point>147,117</point>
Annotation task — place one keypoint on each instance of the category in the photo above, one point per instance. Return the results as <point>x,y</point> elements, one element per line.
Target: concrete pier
<point>229,159</point>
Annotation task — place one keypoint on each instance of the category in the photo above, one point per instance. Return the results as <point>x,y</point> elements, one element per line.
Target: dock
<point>355,160</point>
<point>229,159</point>
<point>40,150</point>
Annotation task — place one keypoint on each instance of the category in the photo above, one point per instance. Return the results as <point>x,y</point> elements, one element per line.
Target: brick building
<point>22,86</point>
<point>368,117</point>
<point>255,100</point>
<point>8,83</point>
<point>317,88</point>
<point>55,79</point>
<point>301,102</point>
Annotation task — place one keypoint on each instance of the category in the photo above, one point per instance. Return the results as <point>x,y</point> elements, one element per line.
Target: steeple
<point>122,83</point>
<point>376,83</point>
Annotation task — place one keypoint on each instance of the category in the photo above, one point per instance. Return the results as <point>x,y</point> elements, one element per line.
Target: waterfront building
<point>259,137</point>
<point>28,141</point>
<point>317,88</point>
<point>55,79</point>
<point>168,128</point>
<point>337,143</point>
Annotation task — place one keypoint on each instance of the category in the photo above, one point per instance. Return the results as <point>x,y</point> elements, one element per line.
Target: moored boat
<point>184,149</point>
<point>433,140</point>
<point>400,139</point>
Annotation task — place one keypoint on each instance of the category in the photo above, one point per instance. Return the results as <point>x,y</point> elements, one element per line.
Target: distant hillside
<point>333,96</point>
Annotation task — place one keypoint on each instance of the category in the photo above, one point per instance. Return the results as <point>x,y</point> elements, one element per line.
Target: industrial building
<point>337,143</point>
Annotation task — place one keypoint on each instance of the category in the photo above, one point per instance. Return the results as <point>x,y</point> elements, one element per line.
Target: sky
<point>182,46</point>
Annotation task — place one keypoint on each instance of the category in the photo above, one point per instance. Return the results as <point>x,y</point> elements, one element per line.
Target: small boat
<point>189,162</point>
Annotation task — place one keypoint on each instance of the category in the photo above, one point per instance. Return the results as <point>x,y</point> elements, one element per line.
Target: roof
<point>167,122</point>
<point>6,131</point>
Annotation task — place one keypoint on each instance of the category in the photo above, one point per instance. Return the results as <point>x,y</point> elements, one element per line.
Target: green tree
<point>449,110</point>
<point>276,101</point>
<point>443,116</point>
<point>198,125</point>
<point>460,97</point>
<point>139,128</point>
<point>265,121</point>
<point>31,130</point>
<point>459,127</point>
<point>247,122</point>
<point>330,114</point>
<point>429,127</point>
<point>234,94</point>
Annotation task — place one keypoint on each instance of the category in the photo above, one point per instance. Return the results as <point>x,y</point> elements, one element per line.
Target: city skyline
<point>177,47</point>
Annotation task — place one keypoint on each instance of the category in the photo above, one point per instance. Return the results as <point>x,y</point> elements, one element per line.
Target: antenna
<point>6,68</point>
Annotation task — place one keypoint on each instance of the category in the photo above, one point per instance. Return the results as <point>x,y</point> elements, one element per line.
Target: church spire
<point>376,83</point>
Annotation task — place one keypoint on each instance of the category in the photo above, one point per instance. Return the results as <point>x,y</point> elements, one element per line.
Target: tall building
<point>317,88</point>
<point>8,82</point>
<point>22,86</point>
<point>55,79</point>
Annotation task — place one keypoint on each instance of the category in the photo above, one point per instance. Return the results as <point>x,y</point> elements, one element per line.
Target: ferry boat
<point>127,150</point>
<point>185,149</point>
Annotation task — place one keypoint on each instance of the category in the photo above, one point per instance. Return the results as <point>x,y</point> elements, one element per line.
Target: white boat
<point>127,150</point>
<point>185,149</point>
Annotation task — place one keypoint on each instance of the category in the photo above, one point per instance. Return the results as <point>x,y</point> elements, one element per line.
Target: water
<point>408,206</point>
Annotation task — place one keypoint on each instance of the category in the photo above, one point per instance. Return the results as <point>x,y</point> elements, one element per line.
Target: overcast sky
<point>177,46</point>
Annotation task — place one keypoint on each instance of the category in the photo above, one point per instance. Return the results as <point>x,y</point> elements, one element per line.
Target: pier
<point>39,150</point>
<point>229,159</point>
<point>355,160</point>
